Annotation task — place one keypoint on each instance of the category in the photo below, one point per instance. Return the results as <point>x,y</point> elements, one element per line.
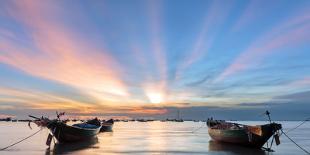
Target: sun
<point>155,97</point>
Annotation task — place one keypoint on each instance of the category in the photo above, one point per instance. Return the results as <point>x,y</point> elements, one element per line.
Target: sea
<point>148,138</point>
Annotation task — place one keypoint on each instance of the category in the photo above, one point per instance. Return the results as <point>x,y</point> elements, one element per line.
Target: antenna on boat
<point>268,114</point>
<point>59,114</point>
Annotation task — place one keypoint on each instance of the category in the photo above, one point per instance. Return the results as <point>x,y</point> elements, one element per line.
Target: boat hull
<point>243,136</point>
<point>65,133</point>
<point>106,128</point>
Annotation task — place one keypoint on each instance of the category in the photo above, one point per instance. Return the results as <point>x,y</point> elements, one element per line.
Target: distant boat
<point>246,135</point>
<point>142,120</point>
<point>107,125</point>
<point>67,133</point>
<point>179,118</point>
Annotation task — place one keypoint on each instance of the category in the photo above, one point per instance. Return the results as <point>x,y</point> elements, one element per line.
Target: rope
<point>198,128</point>
<point>20,140</point>
<point>298,125</point>
<point>295,143</point>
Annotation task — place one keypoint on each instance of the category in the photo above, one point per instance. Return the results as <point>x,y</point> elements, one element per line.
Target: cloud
<point>200,81</point>
<point>301,97</point>
<point>31,99</point>
<point>25,101</point>
<point>304,82</point>
<point>59,54</point>
<point>290,33</point>
<point>6,116</point>
<point>215,16</point>
<point>156,43</point>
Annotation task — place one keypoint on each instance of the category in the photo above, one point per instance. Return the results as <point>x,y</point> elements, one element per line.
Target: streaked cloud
<point>291,33</point>
<point>302,82</point>
<point>59,54</point>
<point>6,116</point>
<point>215,16</point>
<point>150,58</point>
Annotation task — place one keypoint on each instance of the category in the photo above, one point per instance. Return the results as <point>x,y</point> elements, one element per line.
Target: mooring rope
<point>20,140</point>
<point>198,128</point>
<point>307,152</point>
<point>298,125</point>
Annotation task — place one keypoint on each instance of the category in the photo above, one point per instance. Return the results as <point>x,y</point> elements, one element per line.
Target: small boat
<point>142,120</point>
<point>107,125</point>
<point>246,135</point>
<point>179,118</point>
<point>67,133</point>
<point>72,133</point>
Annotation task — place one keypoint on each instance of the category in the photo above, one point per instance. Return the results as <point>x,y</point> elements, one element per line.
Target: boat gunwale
<point>71,126</point>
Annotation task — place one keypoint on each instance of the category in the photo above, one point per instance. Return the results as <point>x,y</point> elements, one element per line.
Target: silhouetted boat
<point>142,120</point>
<point>67,133</point>
<point>179,118</point>
<point>107,125</point>
<point>247,135</point>
<point>77,132</point>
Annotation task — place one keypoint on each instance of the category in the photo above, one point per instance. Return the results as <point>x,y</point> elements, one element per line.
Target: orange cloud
<point>6,116</point>
<point>148,111</point>
<point>60,55</point>
<point>39,100</point>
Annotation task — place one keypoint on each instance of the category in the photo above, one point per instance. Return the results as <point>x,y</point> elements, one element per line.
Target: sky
<point>232,59</point>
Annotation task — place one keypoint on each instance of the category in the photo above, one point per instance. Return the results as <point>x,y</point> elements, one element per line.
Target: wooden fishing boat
<point>67,133</point>
<point>73,133</point>
<point>107,125</point>
<point>251,136</point>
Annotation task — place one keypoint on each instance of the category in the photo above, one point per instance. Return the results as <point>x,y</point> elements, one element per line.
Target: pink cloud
<point>302,82</point>
<point>60,55</point>
<point>155,9</point>
<point>6,116</point>
<point>292,32</point>
<point>252,11</point>
<point>215,16</point>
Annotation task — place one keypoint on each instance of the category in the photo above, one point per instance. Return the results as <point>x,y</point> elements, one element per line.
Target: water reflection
<point>73,147</point>
<point>234,149</point>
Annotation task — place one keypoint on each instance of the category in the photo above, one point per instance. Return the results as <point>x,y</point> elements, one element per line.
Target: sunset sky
<point>148,58</point>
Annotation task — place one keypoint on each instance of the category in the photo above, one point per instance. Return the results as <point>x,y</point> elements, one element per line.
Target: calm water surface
<point>145,138</point>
